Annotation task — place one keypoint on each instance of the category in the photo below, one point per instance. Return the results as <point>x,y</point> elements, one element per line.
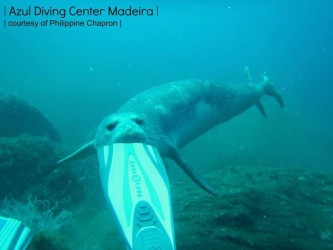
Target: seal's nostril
<point>111,126</point>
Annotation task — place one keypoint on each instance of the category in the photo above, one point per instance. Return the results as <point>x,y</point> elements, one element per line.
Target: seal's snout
<point>129,124</point>
<point>128,133</point>
<point>123,129</point>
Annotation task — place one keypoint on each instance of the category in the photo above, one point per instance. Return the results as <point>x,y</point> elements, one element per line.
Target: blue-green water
<point>76,76</point>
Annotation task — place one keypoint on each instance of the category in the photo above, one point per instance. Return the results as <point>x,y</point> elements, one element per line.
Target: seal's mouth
<point>129,138</point>
<point>128,134</point>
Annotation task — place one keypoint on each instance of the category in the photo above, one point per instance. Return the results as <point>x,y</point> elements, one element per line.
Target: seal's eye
<point>112,125</point>
<point>138,121</point>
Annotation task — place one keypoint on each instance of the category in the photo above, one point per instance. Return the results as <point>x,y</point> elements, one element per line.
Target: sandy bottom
<point>258,208</point>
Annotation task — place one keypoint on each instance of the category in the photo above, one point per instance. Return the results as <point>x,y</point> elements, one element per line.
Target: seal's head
<point>121,128</point>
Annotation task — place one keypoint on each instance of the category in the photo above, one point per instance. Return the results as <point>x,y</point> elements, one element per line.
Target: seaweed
<point>46,220</point>
<point>40,215</point>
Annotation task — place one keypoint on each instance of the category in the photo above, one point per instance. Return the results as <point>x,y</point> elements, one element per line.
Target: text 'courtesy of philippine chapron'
<point>111,16</point>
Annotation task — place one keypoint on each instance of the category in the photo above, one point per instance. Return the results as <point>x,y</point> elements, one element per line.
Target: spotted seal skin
<point>171,115</point>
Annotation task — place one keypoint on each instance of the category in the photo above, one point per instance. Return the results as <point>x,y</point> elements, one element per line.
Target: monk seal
<point>171,115</point>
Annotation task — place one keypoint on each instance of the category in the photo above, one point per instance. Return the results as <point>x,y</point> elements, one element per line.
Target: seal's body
<point>171,115</point>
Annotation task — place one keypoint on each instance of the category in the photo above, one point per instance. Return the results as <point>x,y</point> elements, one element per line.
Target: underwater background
<point>77,76</point>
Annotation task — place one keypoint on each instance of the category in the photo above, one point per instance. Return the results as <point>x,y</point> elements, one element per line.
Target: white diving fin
<point>13,234</point>
<point>137,189</point>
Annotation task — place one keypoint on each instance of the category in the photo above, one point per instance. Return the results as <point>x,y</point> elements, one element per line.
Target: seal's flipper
<point>248,75</point>
<point>177,158</point>
<point>277,96</point>
<point>85,151</point>
<point>261,108</point>
<point>270,90</point>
